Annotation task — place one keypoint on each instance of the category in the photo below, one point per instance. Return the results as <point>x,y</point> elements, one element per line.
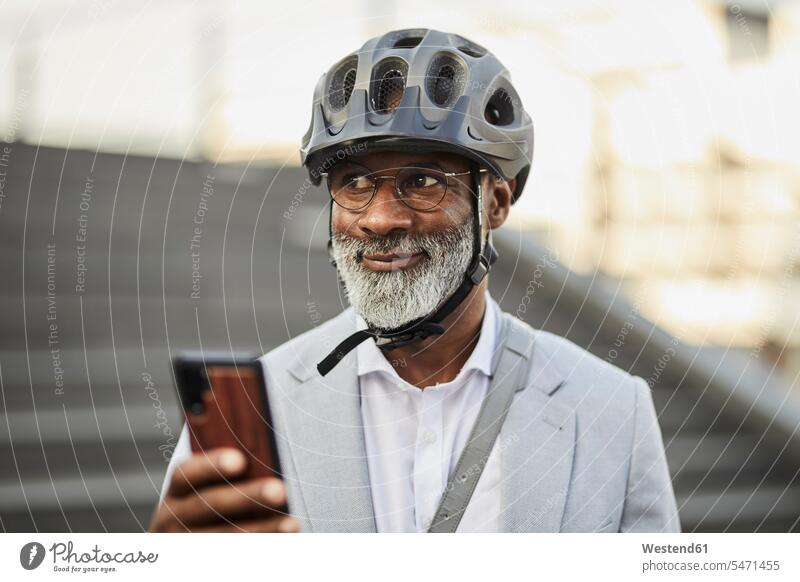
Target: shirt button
<point>430,436</point>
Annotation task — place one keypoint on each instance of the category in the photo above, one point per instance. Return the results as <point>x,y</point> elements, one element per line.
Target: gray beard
<point>388,300</point>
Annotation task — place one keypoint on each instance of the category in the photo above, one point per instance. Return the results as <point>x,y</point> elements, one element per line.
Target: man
<point>436,411</point>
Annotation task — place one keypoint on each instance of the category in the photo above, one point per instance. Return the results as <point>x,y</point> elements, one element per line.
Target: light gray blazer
<point>581,450</point>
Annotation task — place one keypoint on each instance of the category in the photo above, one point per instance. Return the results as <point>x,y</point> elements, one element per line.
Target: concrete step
<point>118,517</point>
<point>767,508</point>
<point>56,443</point>
<point>115,379</point>
<point>686,411</point>
<point>108,502</point>
<point>724,460</point>
<point>154,321</point>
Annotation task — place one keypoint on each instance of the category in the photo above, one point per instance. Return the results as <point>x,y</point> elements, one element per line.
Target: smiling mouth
<point>392,261</point>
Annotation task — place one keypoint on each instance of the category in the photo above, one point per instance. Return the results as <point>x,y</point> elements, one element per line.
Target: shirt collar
<point>372,359</point>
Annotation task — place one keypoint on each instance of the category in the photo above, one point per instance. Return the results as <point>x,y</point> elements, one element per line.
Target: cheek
<point>342,221</point>
<point>454,214</point>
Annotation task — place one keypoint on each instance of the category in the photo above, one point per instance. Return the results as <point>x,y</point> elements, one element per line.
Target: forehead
<point>391,159</point>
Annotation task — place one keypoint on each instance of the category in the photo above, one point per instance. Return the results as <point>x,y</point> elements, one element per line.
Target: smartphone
<point>224,399</point>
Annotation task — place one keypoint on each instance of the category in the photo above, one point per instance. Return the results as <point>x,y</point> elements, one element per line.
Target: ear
<point>497,201</point>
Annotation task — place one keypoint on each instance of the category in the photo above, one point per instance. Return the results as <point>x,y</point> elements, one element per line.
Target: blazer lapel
<point>538,441</point>
<point>326,436</point>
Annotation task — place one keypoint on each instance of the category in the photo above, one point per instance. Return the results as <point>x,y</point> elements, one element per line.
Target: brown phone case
<point>229,409</point>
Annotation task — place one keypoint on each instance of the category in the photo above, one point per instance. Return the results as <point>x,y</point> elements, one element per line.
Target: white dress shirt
<point>414,437</point>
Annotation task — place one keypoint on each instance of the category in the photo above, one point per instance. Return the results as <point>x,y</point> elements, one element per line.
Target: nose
<point>386,215</point>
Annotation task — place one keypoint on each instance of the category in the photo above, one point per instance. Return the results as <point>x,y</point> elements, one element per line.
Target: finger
<point>258,497</point>
<point>206,468</point>
<point>276,524</point>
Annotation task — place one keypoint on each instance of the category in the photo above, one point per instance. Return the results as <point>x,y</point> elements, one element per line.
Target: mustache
<point>387,300</point>
<point>405,243</point>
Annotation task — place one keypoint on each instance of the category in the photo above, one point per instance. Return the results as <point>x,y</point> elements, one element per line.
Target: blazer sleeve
<point>649,499</point>
<point>183,450</point>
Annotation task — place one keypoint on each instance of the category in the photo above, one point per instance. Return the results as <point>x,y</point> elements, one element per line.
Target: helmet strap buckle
<point>479,269</point>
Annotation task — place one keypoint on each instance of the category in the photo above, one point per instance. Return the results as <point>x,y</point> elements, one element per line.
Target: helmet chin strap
<point>483,257</point>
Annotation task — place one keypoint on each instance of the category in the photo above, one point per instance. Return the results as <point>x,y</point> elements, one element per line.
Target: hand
<point>202,498</point>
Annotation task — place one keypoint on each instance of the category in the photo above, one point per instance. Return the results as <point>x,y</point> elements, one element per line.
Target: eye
<point>422,181</point>
<point>357,183</point>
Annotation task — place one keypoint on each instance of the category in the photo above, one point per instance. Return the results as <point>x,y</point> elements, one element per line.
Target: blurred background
<point>151,201</point>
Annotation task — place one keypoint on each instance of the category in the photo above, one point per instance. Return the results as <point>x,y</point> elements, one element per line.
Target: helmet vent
<point>499,109</point>
<point>388,85</point>
<point>407,38</point>
<point>349,83</point>
<point>445,80</point>
<point>469,48</point>
<point>443,85</point>
<point>342,83</point>
<point>390,91</point>
<point>407,42</point>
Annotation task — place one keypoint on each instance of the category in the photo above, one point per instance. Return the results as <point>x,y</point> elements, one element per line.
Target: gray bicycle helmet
<point>420,89</point>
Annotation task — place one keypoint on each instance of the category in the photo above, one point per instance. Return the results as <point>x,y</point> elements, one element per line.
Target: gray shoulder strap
<point>510,375</point>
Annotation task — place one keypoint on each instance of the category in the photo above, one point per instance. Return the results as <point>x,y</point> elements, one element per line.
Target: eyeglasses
<point>421,188</point>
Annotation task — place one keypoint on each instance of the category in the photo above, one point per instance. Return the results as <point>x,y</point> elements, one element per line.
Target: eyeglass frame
<point>397,191</point>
